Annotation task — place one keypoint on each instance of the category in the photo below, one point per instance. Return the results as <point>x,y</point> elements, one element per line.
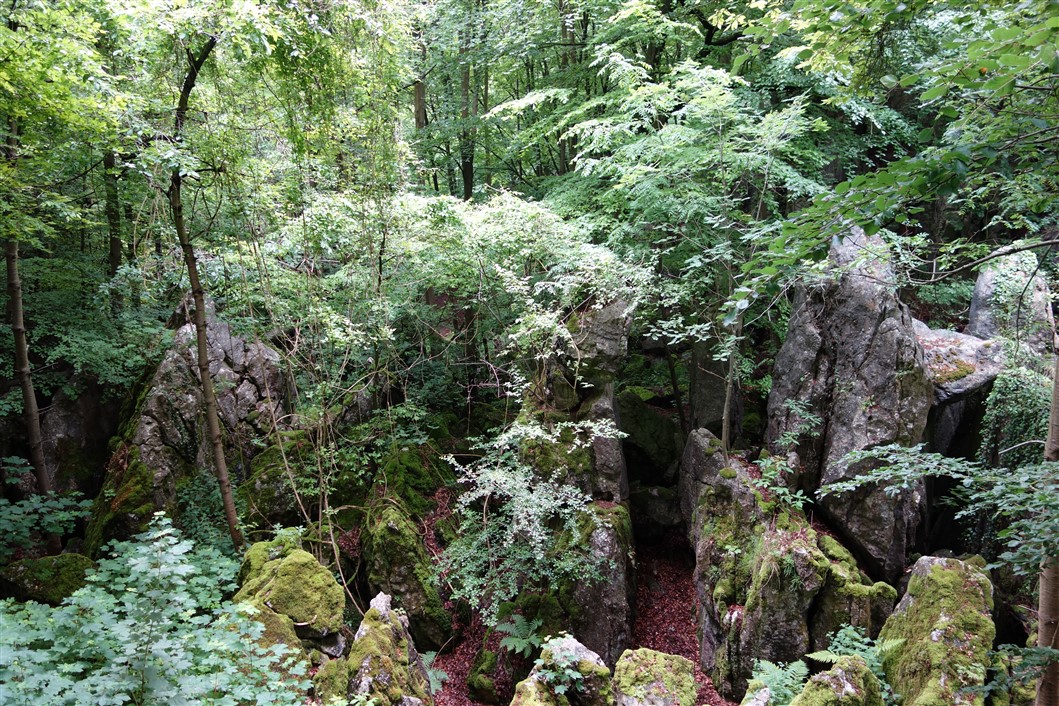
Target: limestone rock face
<point>768,585</point>
<point>603,612</point>
<point>851,375</point>
<point>647,678</point>
<point>848,683</point>
<point>548,684</point>
<point>945,622</point>
<point>383,662</point>
<point>958,364</point>
<point>399,567</point>
<point>75,433</point>
<point>165,440</point>
<point>1011,299</point>
<point>48,579</point>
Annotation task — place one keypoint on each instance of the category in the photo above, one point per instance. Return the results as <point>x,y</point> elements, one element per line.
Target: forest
<point>564,353</point>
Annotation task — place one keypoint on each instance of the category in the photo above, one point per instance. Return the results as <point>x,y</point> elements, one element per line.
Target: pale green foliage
<point>519,526</point>
<point>784,681</point>
<point>850,640</point>
<point>150,628</point>
<point>560,669</point>
<point>1016,413</point>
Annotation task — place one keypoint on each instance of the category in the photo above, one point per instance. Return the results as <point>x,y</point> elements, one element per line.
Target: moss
<point>848,683</point>
<point>125,504</point>
<point>279,630</point>
<point>655,677</point>
<point>380,661</point>
<point>297,586</point>
<point>332,680</point>
<point>728,473</point>
<point>945,624</point>
<point>408,474</point>
<point>480,684</point>
<point>399,566</point>
<point>48,580</point>
<point>952,372</point>
<point>530,692</point>
<point>260,553</point>
<point>267,486</point>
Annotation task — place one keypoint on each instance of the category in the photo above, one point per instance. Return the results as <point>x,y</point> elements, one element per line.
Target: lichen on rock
<point>848,683</point>
<point>383,662</point>
<point>648,678</point>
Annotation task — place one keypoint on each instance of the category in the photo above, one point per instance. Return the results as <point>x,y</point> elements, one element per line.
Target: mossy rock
<point>945,624</point>
<point>399,566</point>
<point>550,682</point>
<point>260,553</point>
<point>331,680</point>
<point>125,504</point>
<point>298,587</point>
<point>279,630</point>
<point>383,662</point>
<point>849,683</point>
<point>480,684</point>
<point>266,490</point>
<point>648,678</point>
<point>409,474</point>
<point>49,579</point>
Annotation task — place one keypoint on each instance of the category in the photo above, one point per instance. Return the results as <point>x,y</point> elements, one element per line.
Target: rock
<point>550,682</point>
<point>945,622</point>
<point>295,585</point>
<point>959,365</point>
<point>707,391</point>
<point>164,441</point>
<point>610,477</point>
<point>383,662</point>
<point>1011,299</point>
<point>851,375</point>
<point>601,339</point>
<point>75,433</point>
<point>398,566</point>
<point>481,685</point>
<point>655,511</point>
<point>768,585</point>
<point>280,630</point>
<point>49,579</point>
<point>647,678</point>
<point>757,694</point>
<point>331,681</point>
<point>602,612</point>
<point>848,683</point>
<point>652,442</point>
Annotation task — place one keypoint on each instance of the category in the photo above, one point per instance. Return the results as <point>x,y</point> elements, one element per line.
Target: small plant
<point>22,522</point>
<point>851,641</point>
<point>784,681</point>
<point>772,481</point>
<point>807,422</point>
<point>522,636</point>
<point>559,669</point>
<point>435,677</point>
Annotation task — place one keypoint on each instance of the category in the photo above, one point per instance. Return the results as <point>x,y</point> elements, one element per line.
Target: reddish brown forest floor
<point>665,607</point>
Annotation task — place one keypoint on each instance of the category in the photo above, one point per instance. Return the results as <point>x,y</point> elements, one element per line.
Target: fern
<point>522,637</point>
<point>851,641</point>
<point>784,681</point>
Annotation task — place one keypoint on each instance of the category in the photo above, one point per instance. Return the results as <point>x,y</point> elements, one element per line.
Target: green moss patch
<point>298,587</point>
<point>48,580</point>
<point>648,677</point>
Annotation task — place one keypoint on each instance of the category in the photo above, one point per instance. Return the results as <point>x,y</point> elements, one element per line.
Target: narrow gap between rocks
<point>665,606</point>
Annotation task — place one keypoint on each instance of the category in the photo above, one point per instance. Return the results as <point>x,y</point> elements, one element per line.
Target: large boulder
<point>851,375</point>
<point>768,585</point>
<point>49,579</point>
<point>75,431</point>
<point>602,612</point>
<point>647,678</point>
<point>383,663</point>
<point>1011,299</point>
<point>849,683</point>
<point>567,673</point>
<point>164,442</point>
<point>398,565</point>
<point>945,625</point>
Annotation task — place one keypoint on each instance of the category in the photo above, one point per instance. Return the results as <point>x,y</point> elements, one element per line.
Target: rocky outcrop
<point>49,579</point>
<point>768,585</point>
<point>399,566</point>
<point>944,622</point>
<point>849,683</point>
<point>568,673</point>
<point>602,611</point>
<point>851,375</point>
<point>1011,299</point>
<point>75,432</point>
<point>383,663</point>
<point>652,442</point>
<point>958,364</point>
<point>164,441</point>
<point>647,678</point>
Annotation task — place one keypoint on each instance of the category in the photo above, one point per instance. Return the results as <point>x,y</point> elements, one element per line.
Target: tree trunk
<point>30,412</point>
<point>176,205</point>
<point>1048,591</point>
<point>113,212</point>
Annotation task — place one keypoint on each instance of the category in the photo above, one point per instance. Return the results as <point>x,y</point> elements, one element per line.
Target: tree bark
<point>1048,590</point>
<point>176,205</point>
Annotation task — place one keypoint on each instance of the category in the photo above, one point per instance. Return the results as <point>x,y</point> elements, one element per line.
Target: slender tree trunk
<point>30,412</point>
<point>113,212</point>
<point>1048,591</point>
<point>176,205</point>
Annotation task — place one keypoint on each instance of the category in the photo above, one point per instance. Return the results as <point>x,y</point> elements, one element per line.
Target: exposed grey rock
<point>75,433</point>
<point>648,678</point>
<point>602,340</point>
<point>384,663</point>
<point>610,477</point>
<point>958,364</point>
<point>1011,299</point>
<point>605,615</point>
<point>655,510</point>
<point>593,685</point>
<point>707,390</point>
<point>851,375</point>
<point>653,442</point>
